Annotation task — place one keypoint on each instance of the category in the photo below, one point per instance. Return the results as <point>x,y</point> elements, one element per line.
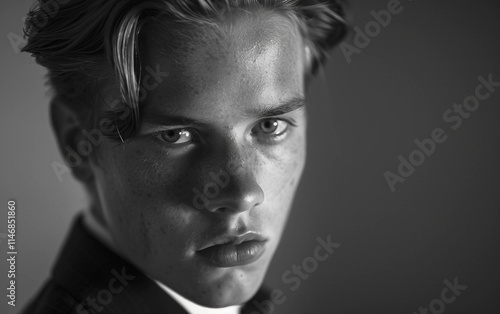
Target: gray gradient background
<point>396,248</point>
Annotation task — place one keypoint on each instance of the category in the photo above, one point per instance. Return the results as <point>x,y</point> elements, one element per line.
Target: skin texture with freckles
<point>146,185</point>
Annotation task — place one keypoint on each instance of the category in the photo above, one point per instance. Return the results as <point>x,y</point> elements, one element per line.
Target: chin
<point>235,288</point>
<point>219,299</point>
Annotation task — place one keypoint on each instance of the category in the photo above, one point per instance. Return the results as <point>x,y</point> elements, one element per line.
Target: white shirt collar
<point>194,308</point>
<point>103,235</point>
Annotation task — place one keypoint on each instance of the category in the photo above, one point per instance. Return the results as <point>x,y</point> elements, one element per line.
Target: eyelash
<point>194,134</point>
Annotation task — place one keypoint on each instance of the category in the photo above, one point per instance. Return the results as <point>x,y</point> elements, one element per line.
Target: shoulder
<point>52,299</point>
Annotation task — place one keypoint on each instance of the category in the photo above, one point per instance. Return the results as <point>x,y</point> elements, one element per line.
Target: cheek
<point>282,176</point>
<point>139,174</point>
<point>136,189</point>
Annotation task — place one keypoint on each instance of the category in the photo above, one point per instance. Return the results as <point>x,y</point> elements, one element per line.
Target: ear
<point>69,131</point>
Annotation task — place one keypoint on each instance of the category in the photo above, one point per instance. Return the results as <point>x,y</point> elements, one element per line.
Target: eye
<point>175,136</point>
<point>271,127</point>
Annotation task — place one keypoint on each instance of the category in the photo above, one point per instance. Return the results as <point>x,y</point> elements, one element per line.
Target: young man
<point>186,123</point>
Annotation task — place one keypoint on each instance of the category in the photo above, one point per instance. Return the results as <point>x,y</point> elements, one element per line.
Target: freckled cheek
<point>292,160</point>
<point>152,178</point>
<point>282,182</point>
<point>142,191</point>
<point>286,168</point>
<point>137,190</point>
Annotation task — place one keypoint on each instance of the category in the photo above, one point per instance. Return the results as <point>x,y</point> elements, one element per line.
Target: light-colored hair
<point>84,43</point>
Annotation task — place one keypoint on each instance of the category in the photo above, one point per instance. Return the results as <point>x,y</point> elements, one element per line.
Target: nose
<point>239,193</point>
<point>234,187</point>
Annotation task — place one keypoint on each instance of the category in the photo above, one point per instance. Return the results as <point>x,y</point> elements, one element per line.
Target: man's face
<point>219,154</point>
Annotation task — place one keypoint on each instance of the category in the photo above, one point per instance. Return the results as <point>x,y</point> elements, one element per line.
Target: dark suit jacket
<point>89,278</point>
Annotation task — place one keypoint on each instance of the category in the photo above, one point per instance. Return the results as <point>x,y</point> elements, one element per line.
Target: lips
<point>230,251</point>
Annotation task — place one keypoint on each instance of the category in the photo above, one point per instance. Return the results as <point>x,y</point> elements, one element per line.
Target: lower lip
<point>229,255</point>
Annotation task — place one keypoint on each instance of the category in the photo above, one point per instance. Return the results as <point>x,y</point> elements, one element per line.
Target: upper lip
<point>234,239</point>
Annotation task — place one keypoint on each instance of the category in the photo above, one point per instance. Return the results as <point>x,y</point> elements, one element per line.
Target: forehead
<point>257,56</point>
<point>240,34</point>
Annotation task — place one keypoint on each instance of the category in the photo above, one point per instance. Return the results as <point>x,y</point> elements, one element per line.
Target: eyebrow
<point>283,108</point>
<point>291,105</point>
